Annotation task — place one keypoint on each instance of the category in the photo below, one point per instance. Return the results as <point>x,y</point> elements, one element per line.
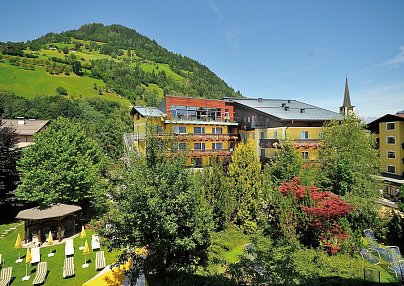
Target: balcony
<point>202,120</point>
<point>207,137</point>
<point>297,143</point>
<point>210,152</point>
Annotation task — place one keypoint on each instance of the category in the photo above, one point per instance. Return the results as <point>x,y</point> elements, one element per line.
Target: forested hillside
<point>109,61</point>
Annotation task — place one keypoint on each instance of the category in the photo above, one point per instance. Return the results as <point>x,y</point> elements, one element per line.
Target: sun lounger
<point>68,268</point>
<point>373,245</point>
<point>99,260</point>
<point>36,255</point>
<point>95,242</point>
<point>398,268</point>
<point>41,272</point>
<point>393,253</point>
<point>5,276</point>
<point>366,254</point>
<point>69,247</point>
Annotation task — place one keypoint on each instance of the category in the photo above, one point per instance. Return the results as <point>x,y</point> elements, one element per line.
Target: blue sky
<point>272,49</point>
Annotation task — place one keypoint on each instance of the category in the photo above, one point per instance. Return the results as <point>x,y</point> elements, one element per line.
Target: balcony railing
<point>207,152</point>
<point>223,119</point>
<point>207,137</point>
<point>297,143</point>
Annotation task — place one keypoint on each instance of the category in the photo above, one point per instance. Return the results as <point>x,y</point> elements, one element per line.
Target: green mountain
<point>113,62</point>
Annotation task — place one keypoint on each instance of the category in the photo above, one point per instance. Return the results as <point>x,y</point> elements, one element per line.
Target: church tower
<point>347,108</point>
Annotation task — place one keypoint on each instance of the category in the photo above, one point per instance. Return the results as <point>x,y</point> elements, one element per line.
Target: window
<point>304,135</point>
<point>243,137</point>
<point>391,169</point>
<point>391,140</point>
<point>390,125</point>
<point>182,146</point>
<point>217,130</point>
<point>199,146</point>
<point>199,130</point>
<point>196,162</point>
<point>262,135</point>
<point>391,154</point>
<point>263,153</point>
<point>180,130</point>
<point>232,145</point>
<point>320,135</point>
<point>275,134</point>
<point>217,146</point>
<point>305,155</point>
<point>253,135</point>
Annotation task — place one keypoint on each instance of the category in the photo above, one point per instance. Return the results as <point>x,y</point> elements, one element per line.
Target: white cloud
<point>216,10</point>
<point>396,60</point>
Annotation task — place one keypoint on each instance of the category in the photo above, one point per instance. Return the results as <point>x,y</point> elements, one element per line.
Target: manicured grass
<point>55,263</point>
<point>29,83</point>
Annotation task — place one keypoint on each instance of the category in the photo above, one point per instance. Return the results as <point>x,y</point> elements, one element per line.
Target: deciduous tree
<point>63,166</point>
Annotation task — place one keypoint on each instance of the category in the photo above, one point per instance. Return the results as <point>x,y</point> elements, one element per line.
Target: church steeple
<point>347,108</point>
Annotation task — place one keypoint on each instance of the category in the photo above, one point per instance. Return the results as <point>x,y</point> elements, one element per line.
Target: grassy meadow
<point>29,83</point>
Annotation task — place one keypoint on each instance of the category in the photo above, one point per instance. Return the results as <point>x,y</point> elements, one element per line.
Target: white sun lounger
<point>36,255</point>
<point>95,242</point>
<point>69,247</point>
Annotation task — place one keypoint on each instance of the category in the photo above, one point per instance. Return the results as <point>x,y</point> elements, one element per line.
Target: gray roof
<point>296,110</point>
<point>53,211</point>
<point>26,126</point>
<point>148,111</point>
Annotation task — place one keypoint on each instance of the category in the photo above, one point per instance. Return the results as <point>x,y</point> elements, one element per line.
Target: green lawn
<point>31,83</point>
<point>55,263</point>
<point>149,67</point>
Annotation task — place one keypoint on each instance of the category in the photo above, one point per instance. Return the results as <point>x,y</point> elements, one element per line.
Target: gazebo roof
<point>53,211</point>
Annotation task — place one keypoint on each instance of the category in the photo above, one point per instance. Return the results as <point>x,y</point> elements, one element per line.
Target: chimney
<point>259,99</point>
<point>21,120</point>
<point>289,101</point>
<point>283,104</point>
<point>302,110</point>
<point>286,108</point>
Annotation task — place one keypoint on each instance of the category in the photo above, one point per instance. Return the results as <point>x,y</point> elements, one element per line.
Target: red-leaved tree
<point>324,210</point>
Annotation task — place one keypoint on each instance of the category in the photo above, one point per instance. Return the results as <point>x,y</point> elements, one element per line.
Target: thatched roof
<point>53,211</point>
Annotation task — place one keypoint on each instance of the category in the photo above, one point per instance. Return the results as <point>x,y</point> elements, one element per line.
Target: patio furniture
<point>36,255</point>
<point>5,276</point>
<point>398,268</point>
<point>366,254</point>
<point>95,242</point>
<point>99,260</point>
<point>68,268</point>
<point>370,237</point>
<point>393,253</point>
<point>69,247</point>
<point>41,272</point>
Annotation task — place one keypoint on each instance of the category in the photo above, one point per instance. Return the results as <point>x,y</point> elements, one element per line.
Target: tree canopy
<point>63,166</point>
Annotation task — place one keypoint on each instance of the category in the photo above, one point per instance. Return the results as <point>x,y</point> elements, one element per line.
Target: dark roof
<point>148,111</point>
<point>288,109</point>
<point>385,118</point>
<point>53,211</point>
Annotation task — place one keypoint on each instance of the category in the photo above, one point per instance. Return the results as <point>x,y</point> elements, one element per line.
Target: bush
<point>61,91</point>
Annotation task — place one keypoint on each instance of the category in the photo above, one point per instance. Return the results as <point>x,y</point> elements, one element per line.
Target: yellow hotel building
<point>205,128</point>
<point>388,131</point>
<point>267,121</point>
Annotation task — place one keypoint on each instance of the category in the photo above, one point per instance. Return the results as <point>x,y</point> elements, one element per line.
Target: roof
<point>148,111</point>
<point>385,118</point>
<point>27,127</point>
<point>295,110</point>
<point>53,211</point>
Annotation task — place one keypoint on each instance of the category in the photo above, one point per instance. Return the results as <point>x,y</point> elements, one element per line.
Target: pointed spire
<point>347,98</point>
<point>346,108</point>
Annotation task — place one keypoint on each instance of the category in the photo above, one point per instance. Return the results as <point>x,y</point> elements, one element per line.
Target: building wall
<point>397,149</point>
